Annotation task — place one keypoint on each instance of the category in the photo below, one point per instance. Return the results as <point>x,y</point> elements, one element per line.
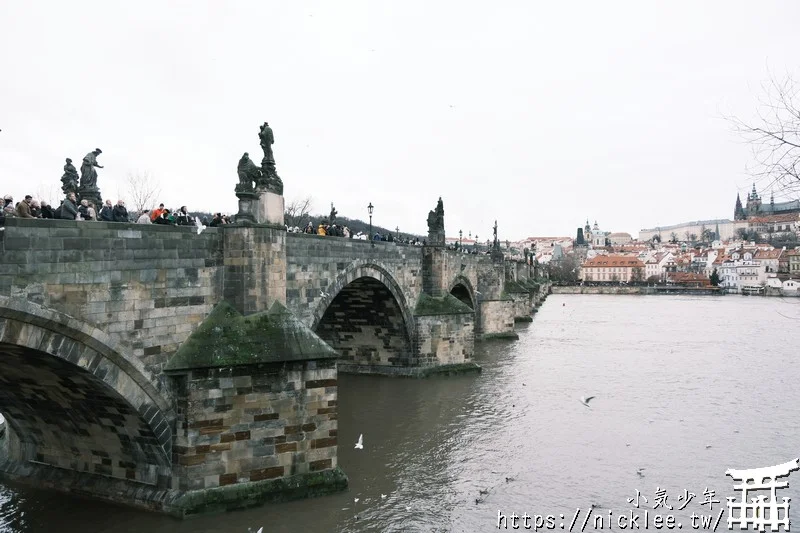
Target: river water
<point>686,387</point>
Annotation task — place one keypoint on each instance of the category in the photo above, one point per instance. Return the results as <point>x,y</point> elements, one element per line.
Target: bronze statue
<point>267,140</point>
<point>249,174</point>
<point>333,214</point>
<point>69,180</point>
<point>88,172</point>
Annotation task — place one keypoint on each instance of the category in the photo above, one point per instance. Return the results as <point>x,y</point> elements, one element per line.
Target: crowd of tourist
<point>325,228</point>
<point>72,209</point>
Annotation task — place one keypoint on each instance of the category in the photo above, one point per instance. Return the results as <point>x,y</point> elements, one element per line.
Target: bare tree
<point>48,194</point>
<point>775,135</point>
<point>297,211</point>
<point>143,191</point>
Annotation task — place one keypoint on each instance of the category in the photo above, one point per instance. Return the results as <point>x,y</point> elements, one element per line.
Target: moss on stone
<point>243,495</point>
<point>226,338</point>
<point>514,287</point>
<point>445,305</point>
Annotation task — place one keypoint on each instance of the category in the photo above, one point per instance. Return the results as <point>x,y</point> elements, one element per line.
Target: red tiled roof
<point>791,217</point>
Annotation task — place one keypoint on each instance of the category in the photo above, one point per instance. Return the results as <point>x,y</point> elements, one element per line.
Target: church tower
<point>738,211</point>
<point>753,202</point>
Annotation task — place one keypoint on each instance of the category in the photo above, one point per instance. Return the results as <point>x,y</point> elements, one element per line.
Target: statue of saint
<point>334,212</point>
<point>88,172</point>
<point>267,140</point>
<point>440,214</point>
<point>248,173</point>
<point>431,221</point>
<point>69,181</point>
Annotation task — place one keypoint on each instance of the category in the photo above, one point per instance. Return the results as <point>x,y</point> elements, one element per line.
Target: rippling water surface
<point>671,375</point>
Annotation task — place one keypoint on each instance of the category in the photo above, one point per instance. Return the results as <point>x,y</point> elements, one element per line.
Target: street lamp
<point>370,207</point>
<point>460,234</point>
<point>397,233</point>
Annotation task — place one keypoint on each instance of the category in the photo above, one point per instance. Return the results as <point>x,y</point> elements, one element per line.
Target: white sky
<point>537,114</point>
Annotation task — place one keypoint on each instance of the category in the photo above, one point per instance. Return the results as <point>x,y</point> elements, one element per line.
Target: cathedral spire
<point>738,211</point>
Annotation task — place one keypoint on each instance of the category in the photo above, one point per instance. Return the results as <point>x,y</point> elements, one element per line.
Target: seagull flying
<point>383,496</point>
<point>200,229</point>
<point>360,443</point>
<point>639,472</point>
<point>355,500</point>
<point>260,530</point>
<point>323,294</point>
<point>585,401</point>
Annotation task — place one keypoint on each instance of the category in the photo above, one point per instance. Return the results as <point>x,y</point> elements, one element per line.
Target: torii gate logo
<point>760,512</point>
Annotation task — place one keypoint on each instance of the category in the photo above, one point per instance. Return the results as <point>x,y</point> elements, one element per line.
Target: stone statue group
<point>86,188</point>
<point>251,177</point>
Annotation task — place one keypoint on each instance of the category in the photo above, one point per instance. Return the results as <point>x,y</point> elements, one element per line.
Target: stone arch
<point>76,400</point>
<point>375,336</point>
<point>463,281</point>
<point>364,269</point>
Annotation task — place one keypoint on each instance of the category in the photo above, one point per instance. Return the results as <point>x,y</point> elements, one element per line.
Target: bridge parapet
<point>146,285</point>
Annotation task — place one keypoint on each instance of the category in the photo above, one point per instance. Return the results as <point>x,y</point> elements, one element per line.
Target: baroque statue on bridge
<point>88,190</point>
<point>333,214</point>
<point>436,236</point>
<point>269,176</point>
<point>249,174</point>
<point>69,181</point>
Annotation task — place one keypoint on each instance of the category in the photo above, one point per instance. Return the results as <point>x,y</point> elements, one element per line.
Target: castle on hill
<point>755,207</point>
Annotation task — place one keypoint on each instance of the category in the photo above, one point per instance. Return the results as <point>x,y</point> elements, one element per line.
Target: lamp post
<point>476,243</point>
<point>397,233</point>
<point>460,234</point>
<point>370,207</point>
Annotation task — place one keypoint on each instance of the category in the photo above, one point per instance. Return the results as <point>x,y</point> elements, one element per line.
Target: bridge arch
<point>365,315</point>
<point>461,287</point>
<point>74,399</point>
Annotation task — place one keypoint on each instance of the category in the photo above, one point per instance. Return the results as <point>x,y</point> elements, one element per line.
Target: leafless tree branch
<point>774,136</point>
<point>143,191</point>
<point>297,211</point>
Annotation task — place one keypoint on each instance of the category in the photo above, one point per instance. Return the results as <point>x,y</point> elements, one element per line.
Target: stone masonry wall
<point>255,267</point>
<point>315,263</point>
<point>497,318</point>
<point>255,423</point>
<point>146,285</point>
<point>364,324</point>
<point>445,340</point>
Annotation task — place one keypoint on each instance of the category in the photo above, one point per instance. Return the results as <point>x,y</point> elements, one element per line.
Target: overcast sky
<point>537,114</point>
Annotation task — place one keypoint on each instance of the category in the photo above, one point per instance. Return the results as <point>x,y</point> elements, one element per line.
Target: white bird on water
<point>360,443</point>
<point>585,401</point>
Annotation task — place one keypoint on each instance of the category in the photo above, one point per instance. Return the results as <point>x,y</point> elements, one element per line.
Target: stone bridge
<point>184,372</point>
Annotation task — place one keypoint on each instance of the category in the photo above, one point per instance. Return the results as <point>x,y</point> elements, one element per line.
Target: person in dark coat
<point>69,209</point>
<point>120,213</point>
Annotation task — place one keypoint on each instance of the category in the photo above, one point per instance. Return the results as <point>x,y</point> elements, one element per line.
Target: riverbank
<point>624,289</point>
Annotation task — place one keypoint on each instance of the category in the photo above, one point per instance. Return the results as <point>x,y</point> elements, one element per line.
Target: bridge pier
<point>257,421</point>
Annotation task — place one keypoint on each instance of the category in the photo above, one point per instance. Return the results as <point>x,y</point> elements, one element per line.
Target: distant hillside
<point>357,225</point>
